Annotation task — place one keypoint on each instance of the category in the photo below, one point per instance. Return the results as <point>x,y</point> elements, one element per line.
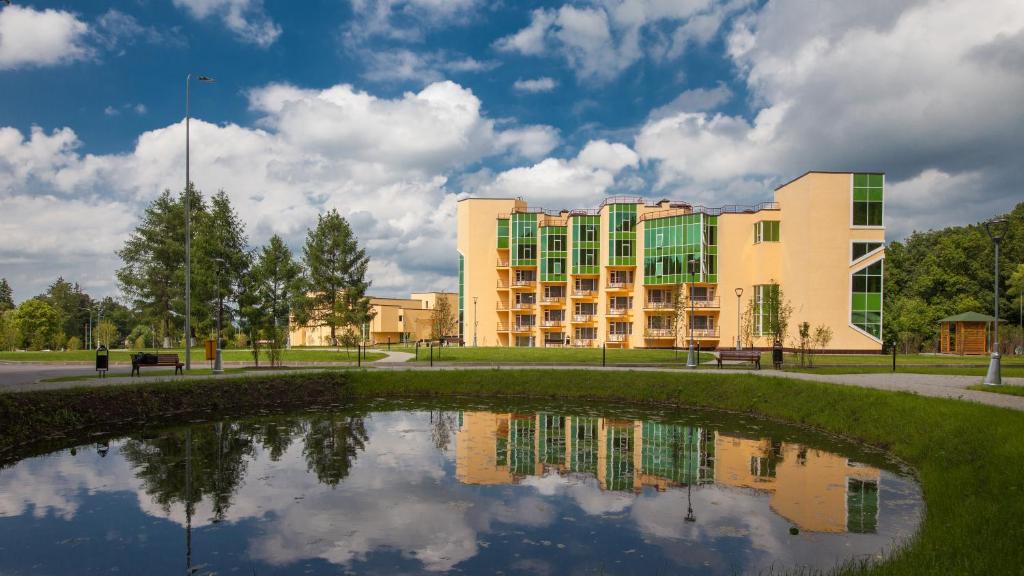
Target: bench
<point>741,355</point>
<point>140,360</point>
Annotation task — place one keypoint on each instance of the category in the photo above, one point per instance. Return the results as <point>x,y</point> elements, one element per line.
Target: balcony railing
<point>660,333</point>
<point>522,327</point>
<point>551,323</point>
<point>502,284</point>
<point>700,333</point>
<point>662,305</point>
<point>501,306</point>
<point>582,318</point>
<point>617,312</point>
<point>554,343</point>
<point>553,300</point>
<point>502,263</point>
<point>523,305</point>
<point>584,342</point>
<point>705,302</point>
<point>617,337</point>
<point>503,327</point>
<point>583,293</point>
<point>620,285</point>
<point>520,283</point>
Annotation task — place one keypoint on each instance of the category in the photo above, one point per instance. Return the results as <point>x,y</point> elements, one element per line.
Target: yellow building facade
<point>395,320</point>
<point>813,489</point>
<point>609,275</point>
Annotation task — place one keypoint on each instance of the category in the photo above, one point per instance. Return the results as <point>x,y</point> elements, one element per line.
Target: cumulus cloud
<point>36,38</point>
<point>404,20</point>
<point>862,87</point>
<point>558,183</point>
<point>384,163</point>
<point>401,65</point>
<point>246,19</point>
<point>542,84</point>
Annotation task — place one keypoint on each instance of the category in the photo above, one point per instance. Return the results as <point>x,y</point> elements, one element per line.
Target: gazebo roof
<point>970,317</point>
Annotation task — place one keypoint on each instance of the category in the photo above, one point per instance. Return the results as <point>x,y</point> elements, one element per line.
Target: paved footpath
<point>26,377</point>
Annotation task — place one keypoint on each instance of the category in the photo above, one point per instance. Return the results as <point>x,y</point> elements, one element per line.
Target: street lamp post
<point>474,321</point>
<point>739,292</point>
<point>691,358</point>
<point>995,229</point>
<point>217,366</point>
<point>188,231</point>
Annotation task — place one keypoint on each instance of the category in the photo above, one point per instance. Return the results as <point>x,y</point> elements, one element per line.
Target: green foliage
<point>220,261</point>
<point>333,288</point>
<point>443,320</point>
<point>106,333</point>
<point>39,323</point>
<point>71,304</point>
<point>939,273</point>
<point>6,296</point>
<point>267,294</point>
<point>73,344</point>
<point>10,330</point>
<point>139,344</point>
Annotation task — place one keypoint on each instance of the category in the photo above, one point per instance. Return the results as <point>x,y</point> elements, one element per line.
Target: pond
<point>389,488</point>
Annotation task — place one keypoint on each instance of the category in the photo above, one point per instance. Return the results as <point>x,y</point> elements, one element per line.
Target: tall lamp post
<point>188,231</point>
<point>474,321</point>
<point>691,358</point>
<point>995,229</point>
<point>739,292</point>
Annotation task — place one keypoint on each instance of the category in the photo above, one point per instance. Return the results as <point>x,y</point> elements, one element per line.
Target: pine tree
<point>334,286</point>
<point>6,296</point>
<point>220,260</point>
<point>267,292</point>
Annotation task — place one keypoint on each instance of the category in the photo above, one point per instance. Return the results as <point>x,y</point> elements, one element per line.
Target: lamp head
<point>996,228</point>
<point>207,79</point>
<point>739,292</point>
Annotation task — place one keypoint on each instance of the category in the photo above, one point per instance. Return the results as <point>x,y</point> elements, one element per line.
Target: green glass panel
<point>875,194</point>
<point>860,194</point>
<point>859,302</point>
<point>860,179</point>
<point>873,302</point>
<point>875,180</point>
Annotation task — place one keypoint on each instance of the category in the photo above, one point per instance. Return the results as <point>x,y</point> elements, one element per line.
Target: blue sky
<point>391,110</point>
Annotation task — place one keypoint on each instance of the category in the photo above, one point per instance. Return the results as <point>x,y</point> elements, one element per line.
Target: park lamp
<point>996,230</point>
<point>739,293</point>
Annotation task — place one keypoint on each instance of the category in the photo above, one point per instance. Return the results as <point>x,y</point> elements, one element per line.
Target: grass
<point>979,371</point>
<point>230,355</point>
<point>556,355</point>
<point>146,373</point>
<point>966,455</point>
<point>1004,389</point>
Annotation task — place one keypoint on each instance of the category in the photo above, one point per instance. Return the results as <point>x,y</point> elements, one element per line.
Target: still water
<point>399,489</point>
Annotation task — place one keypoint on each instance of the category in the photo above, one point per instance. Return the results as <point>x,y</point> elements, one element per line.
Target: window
<point>586,308</point>
<point>586,284</point>
<point>861,249</point>
<point>867,199</point>
<point>621,327</point>
<point>866,299</point>
<point>766,298</point>
<point>589,232</point>
<point>766,231</point>
<point>861,506</point>
<point>503,233</point>
<point>554,291</point>
<point>586,333</point>
<point>699,292</point>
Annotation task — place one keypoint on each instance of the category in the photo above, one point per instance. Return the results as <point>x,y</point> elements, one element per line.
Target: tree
<point>106,333</point>
<point>71,303</point>
<point>267,295</point>
<point>776,313</point>
<point>443,319</point>
<point>39,323</point>
<point>332,443</point>
<point>10,330</point>
<point>821,340</point>
<point>804,341</point>
<point>680,311</point>
<point>6,296</point>
<point>333,288</point>
<point>74,344</point>
<point>220,262</point>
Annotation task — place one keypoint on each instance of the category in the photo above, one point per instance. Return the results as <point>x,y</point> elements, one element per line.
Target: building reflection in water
<point>815,490</point>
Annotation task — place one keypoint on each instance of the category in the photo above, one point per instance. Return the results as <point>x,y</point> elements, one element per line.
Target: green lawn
<point>293,355</point>
<point>979,371</point>
<point>966,455</point>
<point>556,355</point>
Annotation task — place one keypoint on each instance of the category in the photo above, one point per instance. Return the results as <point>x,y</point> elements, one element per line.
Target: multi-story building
<point>394,320</point>
<point>610,275</point>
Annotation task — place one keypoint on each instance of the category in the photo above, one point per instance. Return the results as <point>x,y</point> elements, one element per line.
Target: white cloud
<point>403,65</point>
<point>532,40</point>
<point>247,19</point>
<point>695,100</point>
<point>542,84</point>
<point>384,163</point>
<point>48,37</point>
<point>863,87</point>
<point>556,183</point>
<point>404,20</point>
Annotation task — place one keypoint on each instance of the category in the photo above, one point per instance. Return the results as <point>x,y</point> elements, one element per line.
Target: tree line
<point>253,291</point>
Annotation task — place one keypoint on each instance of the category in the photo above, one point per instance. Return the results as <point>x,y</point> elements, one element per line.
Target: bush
<point>74,344</point>
<point>140,344</point>
<point>241,340</point>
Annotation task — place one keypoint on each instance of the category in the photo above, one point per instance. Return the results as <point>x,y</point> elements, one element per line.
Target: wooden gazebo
<point>967,333</point>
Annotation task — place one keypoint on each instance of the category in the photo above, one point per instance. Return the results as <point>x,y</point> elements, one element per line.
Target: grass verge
<point>1004,389</point>
<point>124,356</point>
<point>966,455</point>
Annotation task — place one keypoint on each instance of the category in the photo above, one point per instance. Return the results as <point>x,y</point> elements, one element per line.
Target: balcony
<point>502,284</point>
<point>701,333</point>
<point>584,343</point>
<point>584,318</point>
<point>520,283</point>
<point>523,305</point>
<point>705,303</point>
<point>554,343</point>
<point>584,293</point>
<point>662,305</point>
<point>620,285</point>
<point>520,328</point>
<point>549,300</point>
<point>659,333</point>
<point>502,263</point>
<point>618,337</point>
<point>617,312</point>
<point>503,326</point>
<point>501,306</point>
<point>551,323</point>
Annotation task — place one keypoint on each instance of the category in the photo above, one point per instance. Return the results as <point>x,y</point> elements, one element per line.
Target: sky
<point>392,110</point>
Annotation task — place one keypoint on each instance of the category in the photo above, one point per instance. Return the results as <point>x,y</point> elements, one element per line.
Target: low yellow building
<point>608,275</point>
<point>394,320</point>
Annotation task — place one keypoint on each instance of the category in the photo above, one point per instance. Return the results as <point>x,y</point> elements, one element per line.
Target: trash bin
<point>777,355</point>
<point>102,360</point>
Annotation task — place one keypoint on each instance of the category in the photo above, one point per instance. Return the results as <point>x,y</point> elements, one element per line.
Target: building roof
<point>970,317</point>
<point>828,172</point>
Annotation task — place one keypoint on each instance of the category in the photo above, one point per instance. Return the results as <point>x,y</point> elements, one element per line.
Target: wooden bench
<point>741,355</point>
<point>140,360</point>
